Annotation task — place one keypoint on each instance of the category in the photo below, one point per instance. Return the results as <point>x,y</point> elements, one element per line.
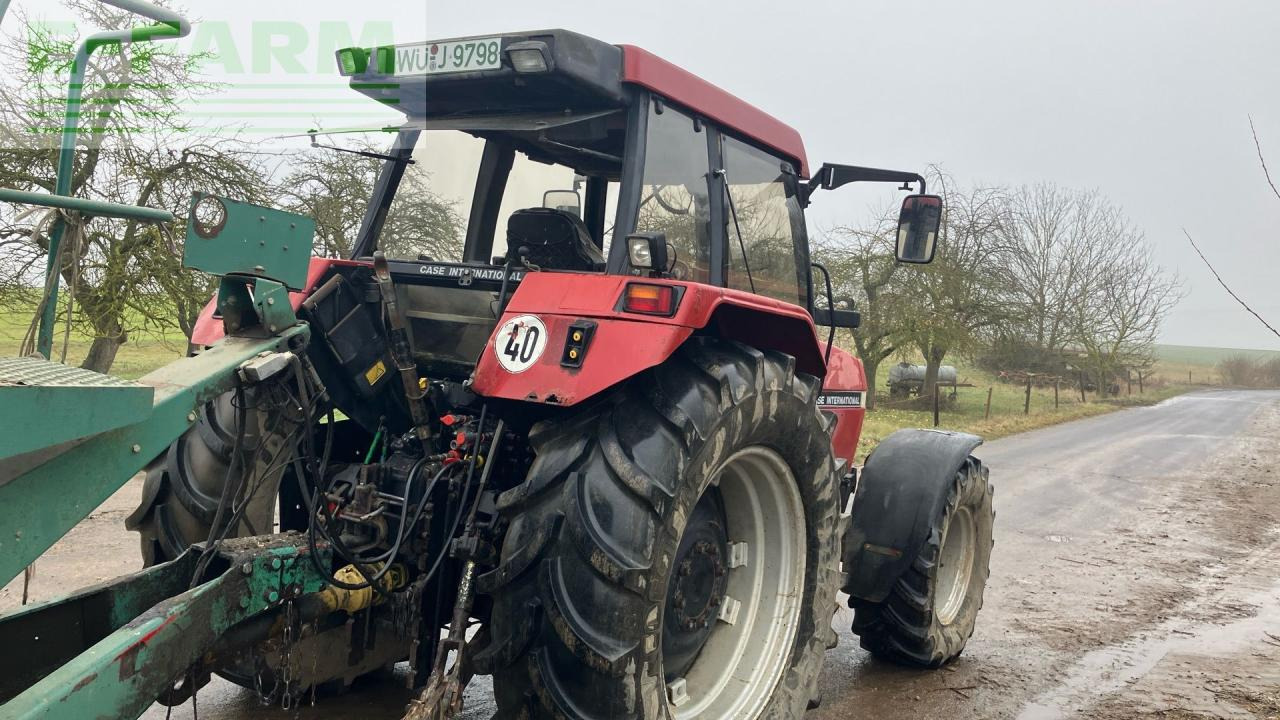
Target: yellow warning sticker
<point>375,373</point>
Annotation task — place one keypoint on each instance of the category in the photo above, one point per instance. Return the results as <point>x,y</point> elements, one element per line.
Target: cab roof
<point>643,68</point>
<point>587,74</point>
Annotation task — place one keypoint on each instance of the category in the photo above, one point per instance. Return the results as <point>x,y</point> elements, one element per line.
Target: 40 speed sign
<point>520,342</point>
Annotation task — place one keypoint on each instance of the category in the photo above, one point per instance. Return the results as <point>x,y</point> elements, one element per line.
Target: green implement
<point>109,651</point>
<point>43,503</point>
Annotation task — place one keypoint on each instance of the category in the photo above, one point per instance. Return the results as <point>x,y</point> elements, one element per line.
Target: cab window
<point>764,220</point>
<point>674,196</point>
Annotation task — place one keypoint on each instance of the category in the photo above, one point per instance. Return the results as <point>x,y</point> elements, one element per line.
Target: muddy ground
<point>1136,574</point>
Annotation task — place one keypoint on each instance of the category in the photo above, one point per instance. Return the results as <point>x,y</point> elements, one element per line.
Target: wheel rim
<point>955,565</point>
<point>754,629</point>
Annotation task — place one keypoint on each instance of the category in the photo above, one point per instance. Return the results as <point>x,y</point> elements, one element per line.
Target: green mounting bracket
<point>253,306</point>
<point>226,237</point>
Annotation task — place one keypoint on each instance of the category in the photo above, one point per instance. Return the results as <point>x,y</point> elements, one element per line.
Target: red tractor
<point>604,455</point>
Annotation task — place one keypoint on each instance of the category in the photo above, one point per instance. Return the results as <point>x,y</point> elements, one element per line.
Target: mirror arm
<point>831,306</point>
<point>831,176</point>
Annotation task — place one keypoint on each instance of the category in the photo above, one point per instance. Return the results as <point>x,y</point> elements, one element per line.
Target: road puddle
<point>1110,669</point>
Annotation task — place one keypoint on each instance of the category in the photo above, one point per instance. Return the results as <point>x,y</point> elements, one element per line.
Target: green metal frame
<point>40,506</point>
<point>101,662</point>
<point>97,208</point>
<point>168,25</point>
<point>49,405</point>
<point>109,651</point>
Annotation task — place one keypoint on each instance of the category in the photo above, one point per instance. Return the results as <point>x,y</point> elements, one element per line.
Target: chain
<point>286,659</point>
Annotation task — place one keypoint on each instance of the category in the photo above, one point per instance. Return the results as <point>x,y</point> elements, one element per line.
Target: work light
<point>640,252</point>
<point>648,251</point>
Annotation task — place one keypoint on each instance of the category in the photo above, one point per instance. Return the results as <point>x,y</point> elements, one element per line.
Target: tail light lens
<point>649,299</point>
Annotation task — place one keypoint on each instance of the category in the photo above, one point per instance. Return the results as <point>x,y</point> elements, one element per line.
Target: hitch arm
<point>97,660</point>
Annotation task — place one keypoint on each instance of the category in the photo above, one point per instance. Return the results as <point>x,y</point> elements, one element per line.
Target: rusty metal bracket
<point>97,660</point>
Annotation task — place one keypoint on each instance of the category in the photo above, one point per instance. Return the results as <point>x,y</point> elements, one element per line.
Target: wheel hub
<point>743,599</point>
<point>697,587</point>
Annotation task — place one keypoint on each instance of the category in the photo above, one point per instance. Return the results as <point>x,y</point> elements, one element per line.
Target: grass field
<point>1199,365</point>
<point>968,411</point>
<point>136,358</point>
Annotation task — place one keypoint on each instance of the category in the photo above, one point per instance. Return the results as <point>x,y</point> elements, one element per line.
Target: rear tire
<point>184,485</point>
<point>932,610</point>
<point>583,596</point>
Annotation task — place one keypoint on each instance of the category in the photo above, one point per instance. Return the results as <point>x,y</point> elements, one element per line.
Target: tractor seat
<point>557,240</point>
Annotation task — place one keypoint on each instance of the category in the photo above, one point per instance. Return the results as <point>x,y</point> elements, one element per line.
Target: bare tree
<point>1054,241</point>
<point>124,277</point>
<point>952,300</point>
<point>863,268</point>
<point>1118,321</point>
<point>334,188</point>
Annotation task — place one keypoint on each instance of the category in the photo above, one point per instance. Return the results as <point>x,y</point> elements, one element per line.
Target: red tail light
<point>649,299</point>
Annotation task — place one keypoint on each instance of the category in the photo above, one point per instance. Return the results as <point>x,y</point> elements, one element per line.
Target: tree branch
<point>1224,284</point>
<point>1265,171</point>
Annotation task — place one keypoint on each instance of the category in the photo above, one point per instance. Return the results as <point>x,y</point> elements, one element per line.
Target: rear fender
<point>903,486</point>
<point>623,344</point>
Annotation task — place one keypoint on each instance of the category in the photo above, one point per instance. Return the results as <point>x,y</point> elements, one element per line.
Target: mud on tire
<point>921,623</point>
<point>579,594</point>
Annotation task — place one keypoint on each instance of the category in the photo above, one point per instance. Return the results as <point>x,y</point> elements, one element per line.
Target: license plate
<point>442,58</point>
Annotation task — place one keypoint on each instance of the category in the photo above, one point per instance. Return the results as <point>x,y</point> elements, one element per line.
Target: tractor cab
<point>565,153</point>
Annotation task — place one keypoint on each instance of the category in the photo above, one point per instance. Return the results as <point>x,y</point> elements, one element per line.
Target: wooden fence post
<point>1026,408</point>
<point>1128,376</point>
<point>986,415</point>
<point>1139,383</point>
<point>935,406</point>
<point>1055,393</point>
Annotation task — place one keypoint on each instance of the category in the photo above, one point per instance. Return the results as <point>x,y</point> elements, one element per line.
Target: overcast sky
<point>1146,101</point>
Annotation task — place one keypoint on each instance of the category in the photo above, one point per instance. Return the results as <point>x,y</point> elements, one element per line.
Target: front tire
<point>644,521</point>
<point>932,610</point>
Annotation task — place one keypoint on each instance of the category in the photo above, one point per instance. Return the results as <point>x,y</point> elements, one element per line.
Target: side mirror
<point>918,228</point>
<point>563,200</point>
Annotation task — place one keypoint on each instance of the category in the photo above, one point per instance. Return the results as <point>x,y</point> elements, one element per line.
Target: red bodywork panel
<point>208,329</point>
<point>844,394</point>
<point>626,343</point>
<point>643,68</point>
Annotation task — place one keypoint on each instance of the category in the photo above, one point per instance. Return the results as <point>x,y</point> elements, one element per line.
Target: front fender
<point>902,488</point>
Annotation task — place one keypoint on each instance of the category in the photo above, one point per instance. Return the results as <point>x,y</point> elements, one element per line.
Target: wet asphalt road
<point>1101,543</point>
